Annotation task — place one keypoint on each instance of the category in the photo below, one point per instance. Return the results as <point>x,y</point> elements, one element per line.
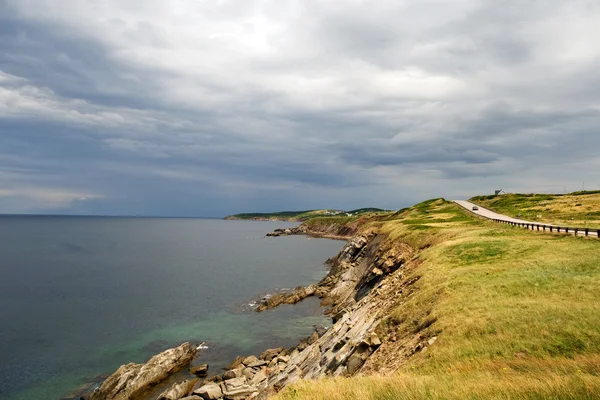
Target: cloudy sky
<point>205,108</point>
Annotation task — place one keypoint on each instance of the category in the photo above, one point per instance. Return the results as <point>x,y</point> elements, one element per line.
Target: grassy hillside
<point>302,215</point>
<point>516,314</point>
<point>574,209</point>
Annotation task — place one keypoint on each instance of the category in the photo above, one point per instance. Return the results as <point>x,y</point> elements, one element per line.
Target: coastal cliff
<point>354,292</point>
<point>430,302</point>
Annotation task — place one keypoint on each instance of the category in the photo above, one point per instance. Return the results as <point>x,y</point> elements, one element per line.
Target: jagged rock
<point>258,378</point>
<point>257,364</point>
<point>233,373</point>
<point>130,380</point>
<point>212,391</point>
<point>283,359</point>
<point>249,360</point>
<point>313,338</point>
<point>237,389</point>
<point>178,390</point>
<point>248,373</point>
<point>269,354</point>
<point>373,340</point>
<point>201,369</point>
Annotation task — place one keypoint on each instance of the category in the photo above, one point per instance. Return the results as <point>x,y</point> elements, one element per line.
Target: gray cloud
<point>190,108</point>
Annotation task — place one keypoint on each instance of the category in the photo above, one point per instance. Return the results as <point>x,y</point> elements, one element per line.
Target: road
<point>484,212</point>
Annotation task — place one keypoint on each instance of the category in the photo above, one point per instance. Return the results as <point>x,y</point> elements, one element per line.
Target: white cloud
<point>315,93</point>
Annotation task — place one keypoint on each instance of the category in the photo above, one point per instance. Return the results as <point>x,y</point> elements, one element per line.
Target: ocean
<point>80,296</point>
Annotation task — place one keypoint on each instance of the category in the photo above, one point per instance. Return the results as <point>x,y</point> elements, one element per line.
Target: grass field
<point>580,209</point>
<point>516,313</point>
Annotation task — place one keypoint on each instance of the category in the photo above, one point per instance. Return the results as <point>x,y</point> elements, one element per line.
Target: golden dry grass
<point>516,313</point>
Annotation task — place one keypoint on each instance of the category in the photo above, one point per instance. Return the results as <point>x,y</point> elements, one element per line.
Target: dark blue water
<point>81,296</point>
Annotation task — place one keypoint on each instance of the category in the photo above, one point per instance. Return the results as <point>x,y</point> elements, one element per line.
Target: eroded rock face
<point>130,381</point>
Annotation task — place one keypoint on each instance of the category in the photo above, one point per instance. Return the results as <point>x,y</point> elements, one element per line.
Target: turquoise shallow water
<point>81,296</point>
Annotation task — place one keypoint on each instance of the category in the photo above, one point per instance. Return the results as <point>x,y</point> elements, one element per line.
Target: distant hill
<point>298,216</point>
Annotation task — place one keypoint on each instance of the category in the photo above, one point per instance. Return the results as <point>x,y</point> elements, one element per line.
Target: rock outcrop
<point>130,381</point>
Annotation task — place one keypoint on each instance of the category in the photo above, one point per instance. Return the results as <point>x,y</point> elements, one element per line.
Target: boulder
<point>249,360</point>
<point>178,390</point>
<point>211,391</point>
<point>269,354</point>
<point>131,380</point>
<point>233,373</point>
<point>200,370</point>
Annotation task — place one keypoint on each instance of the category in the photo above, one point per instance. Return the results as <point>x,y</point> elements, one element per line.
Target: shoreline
<point>353,294</point>
<point>86,391</point>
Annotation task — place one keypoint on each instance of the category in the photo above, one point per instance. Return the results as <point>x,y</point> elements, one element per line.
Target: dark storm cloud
<point>190,108</point>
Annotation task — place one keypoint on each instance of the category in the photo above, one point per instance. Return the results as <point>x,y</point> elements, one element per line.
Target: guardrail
<point>550,228</point>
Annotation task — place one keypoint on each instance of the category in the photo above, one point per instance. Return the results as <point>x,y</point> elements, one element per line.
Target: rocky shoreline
<point>362,279</point>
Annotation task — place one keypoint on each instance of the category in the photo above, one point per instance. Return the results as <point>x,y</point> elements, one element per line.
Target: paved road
<point>484,212</point>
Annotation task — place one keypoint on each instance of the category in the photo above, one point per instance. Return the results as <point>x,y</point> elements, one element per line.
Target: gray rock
<point>131,380</point>
<point>354,363</point>
<point>212,391</point>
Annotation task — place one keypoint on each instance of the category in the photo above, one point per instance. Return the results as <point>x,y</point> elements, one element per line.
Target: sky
<point>208,108</point>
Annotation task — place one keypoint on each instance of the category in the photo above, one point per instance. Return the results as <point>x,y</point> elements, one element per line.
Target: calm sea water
<point>81,296</point>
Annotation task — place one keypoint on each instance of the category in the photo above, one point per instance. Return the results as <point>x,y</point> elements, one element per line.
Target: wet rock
<point>212,391</point>
<point>200,370</point>
<point>131,380</point>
